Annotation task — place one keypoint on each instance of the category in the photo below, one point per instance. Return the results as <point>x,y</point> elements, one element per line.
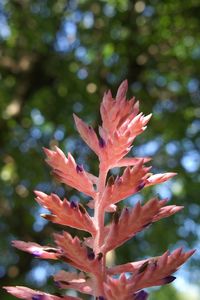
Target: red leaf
<point>130,222</point>
<point>67,171</point>
<point>79,282</point>
<point>129,183</point>
<point>78,254</point>
<point>37,250</point>
<point>151,272</point>
<point>88,134</point>
<point>23,292</point>
<point>65,213</point>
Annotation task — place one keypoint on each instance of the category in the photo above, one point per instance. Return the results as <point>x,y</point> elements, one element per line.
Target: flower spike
<point>122,122</point>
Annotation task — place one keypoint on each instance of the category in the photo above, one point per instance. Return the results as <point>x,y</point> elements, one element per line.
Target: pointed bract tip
<point>121,92</point>
<point>48,217</point>
<point>190,253</point>
<point>75,116</point>
<point>76,119</point>
<point>39,193</point>
<point>47,151</point>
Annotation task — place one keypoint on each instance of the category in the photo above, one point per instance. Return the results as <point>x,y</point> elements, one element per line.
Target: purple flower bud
<point>73,204</point>
<point>168,279</point>
<point>142,295</point>
<point>79,169</point>
<point>90,254</point>
<point>37,253</point>
<point>37,297</point>
<point>101,298</point>
<point>102,143</point>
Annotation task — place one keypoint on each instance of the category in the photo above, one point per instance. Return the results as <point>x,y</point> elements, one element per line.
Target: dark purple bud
<point>73,204</point>
<point>126,210</point>
<point>79,169</point>
<point>101,298</point>
<point>168,279</point>
<point>90,254</point>
<point>102,143</point>
<point>37,253</point>
<point>142,295</point>
<point>38,297</point>
<point>140,186</point>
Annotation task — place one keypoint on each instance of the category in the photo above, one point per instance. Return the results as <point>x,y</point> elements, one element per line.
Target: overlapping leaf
<point>158,270</point>
<point>88,134</point>
<point>75,252</point>
<point>132,180</point>
<point>116,289</point>
<point>115,111</point>
<point>67,171</point>
<point>37,250</point>
<point>121,123</point>
<point>23,292</point>
<point>130,222</point>
<point>153,272</point>
<point>79,282</point>
<point>116,147</point>
<point>66,213</point>
<point>159,178</point>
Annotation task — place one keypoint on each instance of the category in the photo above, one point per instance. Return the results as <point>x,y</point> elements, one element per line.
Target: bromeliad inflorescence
<point>121,123</point>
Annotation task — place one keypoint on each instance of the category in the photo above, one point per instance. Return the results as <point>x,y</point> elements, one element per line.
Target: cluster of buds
<point>121,123</point>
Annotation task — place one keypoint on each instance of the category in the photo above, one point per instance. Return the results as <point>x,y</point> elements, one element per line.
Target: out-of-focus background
<point>58,57</point>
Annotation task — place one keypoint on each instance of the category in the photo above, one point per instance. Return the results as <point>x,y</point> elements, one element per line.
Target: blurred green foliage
<point>58,57</point>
